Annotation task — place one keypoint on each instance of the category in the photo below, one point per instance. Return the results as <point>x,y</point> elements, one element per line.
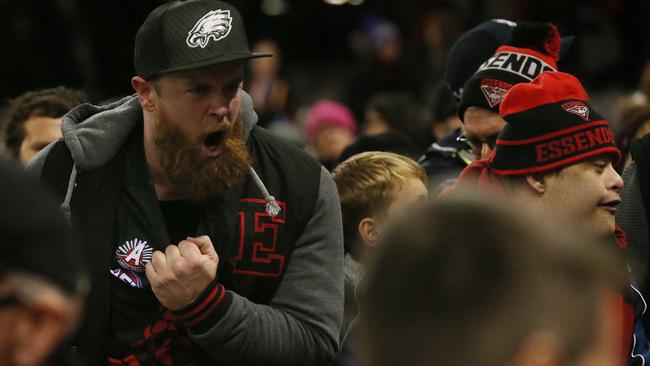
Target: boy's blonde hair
<point>367,183</point>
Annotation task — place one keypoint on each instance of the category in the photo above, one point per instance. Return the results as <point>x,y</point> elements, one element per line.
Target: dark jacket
<point>633,218</point>
<point>279,295</point>
<point>444,160</point>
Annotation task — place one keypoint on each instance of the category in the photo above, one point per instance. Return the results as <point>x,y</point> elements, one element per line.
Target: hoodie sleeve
<point>301,325</point>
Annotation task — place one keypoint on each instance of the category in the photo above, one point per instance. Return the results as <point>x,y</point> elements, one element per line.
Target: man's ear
<point>368,231</point>
<point>537,182</point>
<point>146,93</point>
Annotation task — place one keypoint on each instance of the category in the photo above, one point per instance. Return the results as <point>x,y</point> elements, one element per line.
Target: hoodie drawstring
<point>65,206</point>
<point>272,208</point>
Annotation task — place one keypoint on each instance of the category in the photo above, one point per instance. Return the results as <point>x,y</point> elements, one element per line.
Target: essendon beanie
<point>550,124</point>
<point>533,49</point>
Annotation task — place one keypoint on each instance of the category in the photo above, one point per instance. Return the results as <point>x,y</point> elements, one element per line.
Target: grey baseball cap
<point>184,35</point>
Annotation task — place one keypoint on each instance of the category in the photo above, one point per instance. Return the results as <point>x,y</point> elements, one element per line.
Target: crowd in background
<point>382,61</point>
<point>379,95</point>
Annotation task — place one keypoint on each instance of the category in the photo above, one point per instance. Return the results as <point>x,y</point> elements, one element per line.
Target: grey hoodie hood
<point>94,134</point>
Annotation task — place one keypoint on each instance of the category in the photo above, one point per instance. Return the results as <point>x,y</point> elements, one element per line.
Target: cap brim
<point>212,61</point>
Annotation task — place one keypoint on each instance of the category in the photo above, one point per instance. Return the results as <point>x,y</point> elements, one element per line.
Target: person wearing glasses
<point>533,48</point>
<point>556,153</point>
<point>514,53</point>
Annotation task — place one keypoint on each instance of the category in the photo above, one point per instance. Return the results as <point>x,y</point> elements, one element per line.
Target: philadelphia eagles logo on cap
<point>216,24</point>
<point>577,108</point>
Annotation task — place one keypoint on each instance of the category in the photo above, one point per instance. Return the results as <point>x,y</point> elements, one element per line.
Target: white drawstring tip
<point>272,207</point>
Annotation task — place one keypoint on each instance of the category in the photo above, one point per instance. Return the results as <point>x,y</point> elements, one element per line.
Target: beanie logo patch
<point>215,25</point>
<point>132,256</point>
<point>578,108</point>
<point>494,90</point>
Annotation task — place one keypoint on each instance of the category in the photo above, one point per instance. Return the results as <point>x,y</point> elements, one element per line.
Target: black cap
<point>184,35</point>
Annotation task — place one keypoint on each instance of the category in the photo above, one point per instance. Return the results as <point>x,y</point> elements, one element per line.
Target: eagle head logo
<point>215,25</point>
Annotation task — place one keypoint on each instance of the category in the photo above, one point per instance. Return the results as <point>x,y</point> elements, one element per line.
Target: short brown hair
<point>465,281</point>
<point>366,184</point>
<point>54,102</point>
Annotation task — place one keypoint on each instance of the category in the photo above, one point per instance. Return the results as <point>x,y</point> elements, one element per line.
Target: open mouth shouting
<point>213,144</point>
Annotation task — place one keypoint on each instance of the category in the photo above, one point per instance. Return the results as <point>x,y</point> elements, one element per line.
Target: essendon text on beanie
<point>524,65</point>
<point>573,143</point>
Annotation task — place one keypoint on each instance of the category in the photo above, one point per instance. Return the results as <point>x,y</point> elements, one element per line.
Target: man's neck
<point>165,190</point>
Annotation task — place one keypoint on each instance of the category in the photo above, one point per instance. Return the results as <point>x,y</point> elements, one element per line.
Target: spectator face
<point>331,141</point>
<point>587,192</point>
<point>404,198</point>
<point>196,131</point>
<point>35,318</point>
<point>413,192</point>
<point>481,130</point>
<point>375,124</point>
<point>39,132</point>
<point>205,99</point>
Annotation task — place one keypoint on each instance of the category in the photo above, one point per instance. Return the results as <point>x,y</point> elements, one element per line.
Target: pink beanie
<point>326,113</point>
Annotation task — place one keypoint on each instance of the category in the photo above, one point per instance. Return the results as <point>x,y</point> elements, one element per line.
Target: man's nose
<point>616,180</point>
<point>219,106</point>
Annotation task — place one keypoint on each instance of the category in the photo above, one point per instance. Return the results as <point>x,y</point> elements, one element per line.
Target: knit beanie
<point>472,48</point>
<point>533,49</point>
<point>328,113</point>
<point>550,124</point>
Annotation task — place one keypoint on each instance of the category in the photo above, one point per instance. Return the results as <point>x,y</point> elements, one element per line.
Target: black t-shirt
<point>181,218</point>
<point>143,225</point>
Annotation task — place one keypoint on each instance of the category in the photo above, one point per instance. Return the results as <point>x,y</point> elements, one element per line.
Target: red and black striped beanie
<point>550,124</point>
<point>533,49</point>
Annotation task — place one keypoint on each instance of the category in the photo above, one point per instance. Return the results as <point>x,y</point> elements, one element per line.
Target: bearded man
<point>210,241</point>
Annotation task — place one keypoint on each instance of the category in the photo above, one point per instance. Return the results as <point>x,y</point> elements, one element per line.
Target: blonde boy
<point>373,187</point>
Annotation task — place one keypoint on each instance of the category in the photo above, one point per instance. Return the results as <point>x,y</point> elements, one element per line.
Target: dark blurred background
<point>326,48</point>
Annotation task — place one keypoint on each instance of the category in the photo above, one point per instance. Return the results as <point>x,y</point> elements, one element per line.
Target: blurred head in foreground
<point>467,282</point>
<point>41,282</point>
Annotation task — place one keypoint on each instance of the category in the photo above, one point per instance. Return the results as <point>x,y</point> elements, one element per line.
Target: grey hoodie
<point>301,325</point>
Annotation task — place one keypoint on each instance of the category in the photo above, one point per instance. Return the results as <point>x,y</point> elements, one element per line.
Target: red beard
<point>196,177</point>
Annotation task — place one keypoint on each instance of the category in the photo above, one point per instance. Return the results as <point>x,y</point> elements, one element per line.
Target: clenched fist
<point>179,275</point>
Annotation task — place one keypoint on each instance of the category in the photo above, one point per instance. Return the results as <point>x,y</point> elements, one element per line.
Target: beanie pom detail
<point>552,43</point>
<point>541,37</point>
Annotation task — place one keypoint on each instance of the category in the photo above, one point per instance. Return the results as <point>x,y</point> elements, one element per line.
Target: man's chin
<point>606,227</point>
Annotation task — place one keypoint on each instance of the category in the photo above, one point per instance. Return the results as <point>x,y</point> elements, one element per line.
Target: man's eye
<point>232,88</point>
<point>600,166</point>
